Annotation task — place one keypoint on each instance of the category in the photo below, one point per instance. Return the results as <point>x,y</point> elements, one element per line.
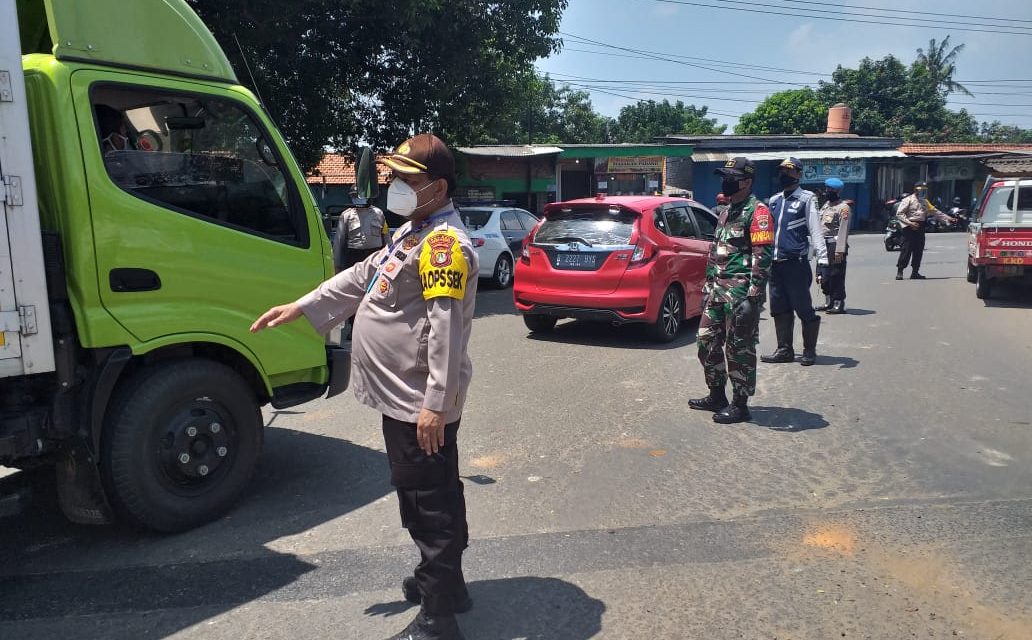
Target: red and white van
<point>1000,241</point>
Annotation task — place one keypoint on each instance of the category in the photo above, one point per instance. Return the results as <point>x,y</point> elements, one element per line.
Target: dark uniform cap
<point>425,153</point>
<point>792,163</point>
<point>921,185</point>
<point>737,167</point>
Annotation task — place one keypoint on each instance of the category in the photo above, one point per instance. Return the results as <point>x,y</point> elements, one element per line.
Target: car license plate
<point>1013,261</point>
<point>575,260</point>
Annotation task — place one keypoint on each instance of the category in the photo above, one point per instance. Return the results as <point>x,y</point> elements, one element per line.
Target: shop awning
<point>802,154</point>
<point>510,151</point>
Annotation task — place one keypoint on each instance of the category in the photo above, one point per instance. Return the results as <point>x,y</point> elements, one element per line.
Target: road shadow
<point>55,569</point>
<point>1009,296</point>
<point>493,302</point>
<point>603,334</point>
<point>843,362</point>
<point>786,419</point>
<point>527,608</point>
<point>858,312</point>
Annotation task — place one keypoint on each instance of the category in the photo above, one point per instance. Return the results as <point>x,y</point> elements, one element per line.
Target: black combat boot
<point>899,274</point>
<point>828,302</point>
<point>915,275</point>
<point>429,627</point>
<point>837,306</point>
<point>784,327</point>
<point>737,411</point>
<point>715,401</point>
<point>810,332</point>
<point>410,588</point>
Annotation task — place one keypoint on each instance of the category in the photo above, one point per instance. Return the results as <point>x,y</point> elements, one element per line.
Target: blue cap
<point>834,183</point>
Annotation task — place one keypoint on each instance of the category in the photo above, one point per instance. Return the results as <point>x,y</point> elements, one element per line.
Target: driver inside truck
<point>114,130</point>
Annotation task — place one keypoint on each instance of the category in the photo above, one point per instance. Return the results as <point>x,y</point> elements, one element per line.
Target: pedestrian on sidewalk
<point>835,215</point>
<point>912,213</point>
<point>797,230</point>
<point>736,277</point>
<point>413,306</point>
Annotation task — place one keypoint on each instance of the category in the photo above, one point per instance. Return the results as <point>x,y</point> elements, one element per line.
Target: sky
<point>786,44</point>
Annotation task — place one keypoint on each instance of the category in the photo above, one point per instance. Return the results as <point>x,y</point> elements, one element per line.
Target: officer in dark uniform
<point>413,305</point>
<point>797,227</point>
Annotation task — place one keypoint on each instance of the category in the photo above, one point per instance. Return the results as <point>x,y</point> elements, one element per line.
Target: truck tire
<point>983,285</point>
<point>180,444</point>
<point>972,274</point>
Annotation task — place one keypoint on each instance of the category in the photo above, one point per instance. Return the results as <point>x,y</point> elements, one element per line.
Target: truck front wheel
<point>983,284</point>
<point>180,444</point>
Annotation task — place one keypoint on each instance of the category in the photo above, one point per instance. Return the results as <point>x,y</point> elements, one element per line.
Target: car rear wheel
<point>670,317</point>
<point>539,323</point>
<point>502,278</point>
<point>983,285</point>
<point>972,274</point>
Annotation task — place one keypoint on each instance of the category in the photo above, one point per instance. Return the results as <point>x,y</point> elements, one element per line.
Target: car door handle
<point>125,280</point>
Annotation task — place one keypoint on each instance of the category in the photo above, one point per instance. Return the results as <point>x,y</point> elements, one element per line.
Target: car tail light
<point>478,242</point>
<point>525,251</point>
<point>643,252</point>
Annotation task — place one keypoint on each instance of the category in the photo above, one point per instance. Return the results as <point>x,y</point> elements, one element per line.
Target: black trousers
<point>352,257</point>
<point>433,509</point>
<point>790,282</point>
<point>834,284</point>
<point>913,249</point>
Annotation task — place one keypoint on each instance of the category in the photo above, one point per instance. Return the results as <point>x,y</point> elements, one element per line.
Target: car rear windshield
<point>1000,207</point>
<point>594,226</point>
<point>475,218</point>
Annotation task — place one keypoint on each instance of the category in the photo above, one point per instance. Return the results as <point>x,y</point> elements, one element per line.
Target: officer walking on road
<point>361,232</point>
<point>797,228</point>
<point>835,228</point>
<point>912,213</point>
<point>413,305</point>
<point>736,276</point>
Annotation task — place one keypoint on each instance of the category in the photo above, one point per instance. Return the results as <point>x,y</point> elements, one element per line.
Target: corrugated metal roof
<point>932,149</point>
<point>510,151</point>
<point>802,154</point>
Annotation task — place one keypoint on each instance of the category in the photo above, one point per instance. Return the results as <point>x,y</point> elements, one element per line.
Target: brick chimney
<point>839,118</point>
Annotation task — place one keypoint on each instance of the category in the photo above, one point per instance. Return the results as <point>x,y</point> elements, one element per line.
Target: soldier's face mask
<point>729,186</point>
<point>833,196</point>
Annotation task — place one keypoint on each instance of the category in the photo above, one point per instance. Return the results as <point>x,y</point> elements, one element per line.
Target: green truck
<point>151,211</point>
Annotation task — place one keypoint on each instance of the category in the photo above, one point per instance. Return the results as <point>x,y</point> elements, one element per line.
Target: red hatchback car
<point>619,259</point>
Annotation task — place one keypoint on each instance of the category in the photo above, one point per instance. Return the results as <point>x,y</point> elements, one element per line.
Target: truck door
<point>199,218</point>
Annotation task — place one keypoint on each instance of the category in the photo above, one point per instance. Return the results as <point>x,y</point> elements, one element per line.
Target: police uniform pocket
<point>737,238</point>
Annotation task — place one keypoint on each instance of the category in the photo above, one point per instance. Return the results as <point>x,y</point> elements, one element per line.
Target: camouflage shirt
<point>741,255</point>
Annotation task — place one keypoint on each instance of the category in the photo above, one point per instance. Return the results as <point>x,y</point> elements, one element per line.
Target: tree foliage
<point>337,72</point>
<point>647,120</point>
<point>791,112</point>
<point>941,61</point>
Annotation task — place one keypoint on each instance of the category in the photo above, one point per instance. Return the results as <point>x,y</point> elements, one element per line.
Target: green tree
<point>996,131</point>
<point>550,114</point>
<point>648,120</point>
<point>941,62</point>
<point>337,72</point>
<point>795,111</point>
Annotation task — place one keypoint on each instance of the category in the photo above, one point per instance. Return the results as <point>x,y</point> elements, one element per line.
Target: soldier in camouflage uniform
<point>736,276</point>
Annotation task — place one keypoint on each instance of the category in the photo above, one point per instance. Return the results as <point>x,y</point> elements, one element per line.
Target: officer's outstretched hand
<point>276,316</point>
<point>430,431</point>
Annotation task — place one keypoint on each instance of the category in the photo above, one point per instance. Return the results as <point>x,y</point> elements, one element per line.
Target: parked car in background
<point>625,259</point>
<point>1000,241</point>
<point>497,232</point>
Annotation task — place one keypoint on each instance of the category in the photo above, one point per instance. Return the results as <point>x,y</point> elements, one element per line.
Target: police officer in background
<point>413,305</point>
<point>797,228</point>
<point>835,228</point>
<point>736,275</point>
<point>912,213</point>
<point>361,232</point>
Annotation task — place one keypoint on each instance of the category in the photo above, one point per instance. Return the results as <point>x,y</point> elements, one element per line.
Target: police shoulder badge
<point>760,232</point>
<point>443,269</point>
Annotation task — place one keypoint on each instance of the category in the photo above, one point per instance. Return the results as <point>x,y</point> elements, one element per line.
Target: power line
<point>921,24</point>
<point>921,13</point>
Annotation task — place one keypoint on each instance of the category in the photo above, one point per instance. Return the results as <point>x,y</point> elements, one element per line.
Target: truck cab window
<point>198,155</point>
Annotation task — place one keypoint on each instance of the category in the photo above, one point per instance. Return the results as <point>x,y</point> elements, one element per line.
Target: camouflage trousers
<point>719,328</point>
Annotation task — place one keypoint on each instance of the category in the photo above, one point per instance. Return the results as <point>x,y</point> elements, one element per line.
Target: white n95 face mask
<point>403,199</point>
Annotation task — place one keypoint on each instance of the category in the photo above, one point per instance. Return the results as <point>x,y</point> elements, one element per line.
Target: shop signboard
<point>844,170</point>
<point>630,164</point>
<point>947,171</point>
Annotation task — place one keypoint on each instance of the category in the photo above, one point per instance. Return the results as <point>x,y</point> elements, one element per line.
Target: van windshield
<point>999,208</point>
<point>594,226</point>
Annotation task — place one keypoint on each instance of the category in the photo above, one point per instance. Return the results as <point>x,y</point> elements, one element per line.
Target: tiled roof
<point>335,168</point>
<point>927,149</point>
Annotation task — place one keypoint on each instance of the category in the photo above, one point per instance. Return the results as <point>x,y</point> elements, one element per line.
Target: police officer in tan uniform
<point>413,305</point>
<point>361,232</point>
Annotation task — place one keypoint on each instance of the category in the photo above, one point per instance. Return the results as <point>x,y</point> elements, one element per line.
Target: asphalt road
<point>885,493</point>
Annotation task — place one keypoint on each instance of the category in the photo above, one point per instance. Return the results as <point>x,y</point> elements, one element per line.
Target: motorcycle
<point>961,219</point>
<point>893,235</point>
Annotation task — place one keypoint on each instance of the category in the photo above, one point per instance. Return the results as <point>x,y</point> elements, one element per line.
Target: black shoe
<point>810,332</point>
<point>917,276</point>
<point>715,401</point>
<point>784,326</point>
<point>411,591</point>
<point>899,275</point>
<point>737,411</point>
<point>427,627</point>
<point>838,306</point>
<point>828,303</point>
